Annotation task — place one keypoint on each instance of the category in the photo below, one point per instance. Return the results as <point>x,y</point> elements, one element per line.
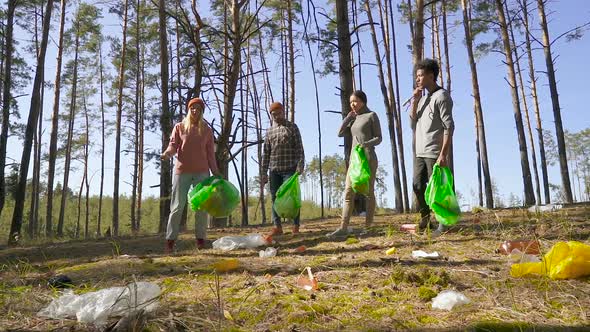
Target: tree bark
<point>533,87</point>
<point>54,126</point>
<point>223,143</point>
<point>102,150</point>
<point>6,96</point>
<point>399,128</point>
<point>345,71</point>
<point>34,110</point>
<point>565,177</point>
<point>525,105</point>
<point>33,215</point>
<point>418,37</point>
<point>317,101</point>
<point>478,109</point>
<point>71,121</point>
<point>529,197</point>
<point>165,120</point>
<point>389,101</point>
<point>258,118</point>
<point>291,61</point>
<point>121,82</point>
<point>141,135</point>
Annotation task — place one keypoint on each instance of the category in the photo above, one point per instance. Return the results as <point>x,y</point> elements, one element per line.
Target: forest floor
<point>360,287</point>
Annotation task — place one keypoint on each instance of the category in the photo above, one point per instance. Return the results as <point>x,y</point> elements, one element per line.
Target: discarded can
<point>300,249</point>
<point>524,246</point>
<point>408,228</point>
<point>308,282</point>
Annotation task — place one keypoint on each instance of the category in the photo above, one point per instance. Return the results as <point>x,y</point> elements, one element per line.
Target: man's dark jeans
<point>422,173</point>
<point>276,180</point>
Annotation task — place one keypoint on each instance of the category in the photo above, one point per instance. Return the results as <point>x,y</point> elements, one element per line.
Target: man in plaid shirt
<point>283,155</point>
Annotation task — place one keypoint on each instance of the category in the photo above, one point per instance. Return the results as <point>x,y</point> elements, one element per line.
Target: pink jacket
<point>195,153</point>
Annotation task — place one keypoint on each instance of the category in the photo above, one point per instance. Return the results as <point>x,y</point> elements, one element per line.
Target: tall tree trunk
<point>418,36</point>
<point>446,44</point>
<point>432,32</point>
<point>388,100</point>
<point>565,177</point>
<point>136,124</point>
<point>317,102</point>
<point>532,76</point>
<point>291,61</point>
<point>141,137</point>
<point>177,112</point>
<point>525,104</point>
<point>33,217</point>
<point>267,86</point>
<point>448,71</point>
<point>85,177</point>
<point>71,121</point>
<point>478,152</point>
<point>417,32</point>
<point>223,144</point>
<point>399,129</point>
<point>244,158</point>
<point>258,118</point>
<point>103,135</point>
<point>345,70</point>
<point>478,110</point>
<point>358,45</point>
<point>15,227</point>
<point>121,82</point>
<point>6,96</point>
<point>165,120</point>
<point>54,126</point>
<point>529,197</point>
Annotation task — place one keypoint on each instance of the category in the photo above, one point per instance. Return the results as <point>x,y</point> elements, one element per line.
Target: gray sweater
<point>365,129</point>
<point>434,119</point>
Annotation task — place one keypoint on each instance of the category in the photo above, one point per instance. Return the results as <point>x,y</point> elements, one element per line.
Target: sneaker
<point>436,233</point>
<point>169,246</point>
<point>340,232</point>
<point>277,230</point>
<point>424,227</point>
<point>295,229</point>
<point>201,244</point>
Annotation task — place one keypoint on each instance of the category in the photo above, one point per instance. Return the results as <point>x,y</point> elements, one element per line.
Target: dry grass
<point>361,288</point>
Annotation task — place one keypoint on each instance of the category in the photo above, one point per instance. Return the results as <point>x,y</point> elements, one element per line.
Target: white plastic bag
<point>249,241</point>
<point>424,254</point>
<point>97,307</point>
<point>268,252</point>
<point>545,208</point>
<point>448,299</point>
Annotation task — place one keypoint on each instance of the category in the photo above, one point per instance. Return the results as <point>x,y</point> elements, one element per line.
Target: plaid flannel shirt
<point>283,149</point>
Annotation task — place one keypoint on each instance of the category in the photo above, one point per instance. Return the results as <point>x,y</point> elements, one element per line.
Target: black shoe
<point>423,226</point>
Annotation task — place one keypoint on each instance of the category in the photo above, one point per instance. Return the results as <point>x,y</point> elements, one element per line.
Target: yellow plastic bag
<point>565,260</point>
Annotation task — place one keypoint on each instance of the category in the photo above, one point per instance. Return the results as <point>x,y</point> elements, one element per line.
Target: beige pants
<point>349,198</point>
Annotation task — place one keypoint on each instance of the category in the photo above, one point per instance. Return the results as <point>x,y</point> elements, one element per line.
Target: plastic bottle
<point>268,252</point>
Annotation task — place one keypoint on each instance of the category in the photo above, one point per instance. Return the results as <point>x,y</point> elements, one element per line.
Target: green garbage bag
<point>359,171</point>
<point>215,196</point>
<point>441,198</point>
<point>288,199</point>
